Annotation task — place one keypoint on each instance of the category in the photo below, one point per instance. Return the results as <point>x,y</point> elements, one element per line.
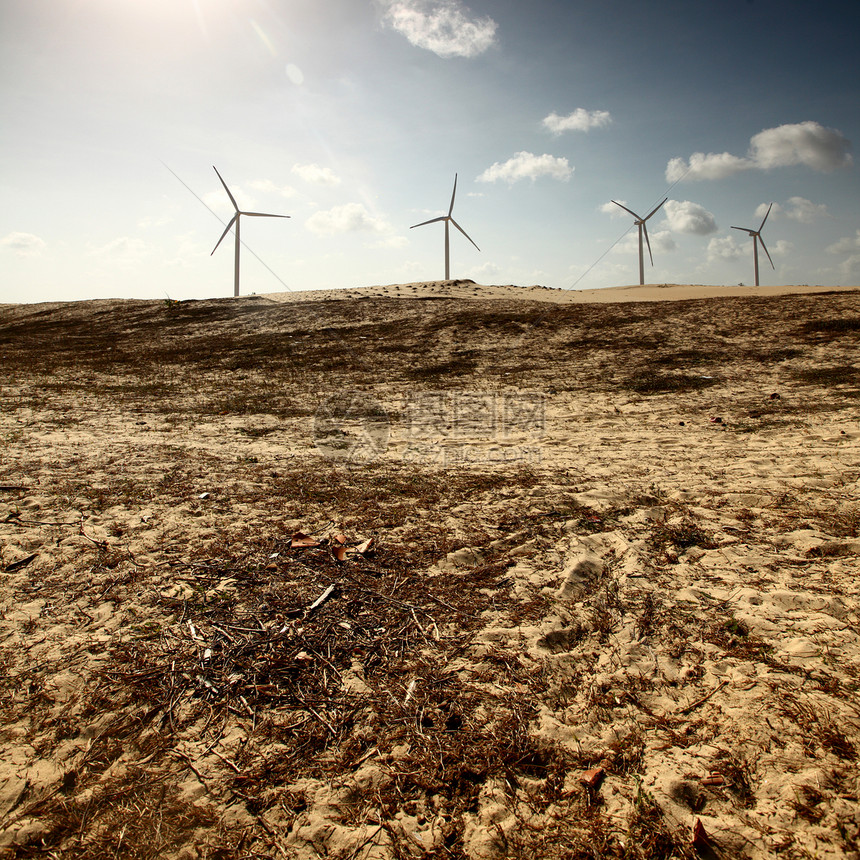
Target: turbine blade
<point>765,217</point>
<point>232,198</point>
<point>626,209</point>
<point>264,215</point>
<point>766,252</point>
<point>747,229</point>
<point>226,231</point>
<point>647,242</point>
<point>463,232</point>
<point>453,195</point>
<point>655,209</point>
<point>431,221</point>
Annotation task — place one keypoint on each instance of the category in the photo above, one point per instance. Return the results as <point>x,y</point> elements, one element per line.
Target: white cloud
<point>268,187</point>
<point>722,248</point>
<point>579,120</point>
<point>661,242</point>
<point>805,143</point>
<point>23,244</point>
<point>849,268</point>
<point>761,210</point>
<point>805,211</point>
<point>710,166</point>
<point>348,218</point>
<point>614,211</point>
<point>796,208</point>
<point>316,175</point>
<point>781,248</point>
<point>486,273</point>
<point>526,165</point>
<point>686,217</point>
<point>445,27</point>
<point>846,245</point>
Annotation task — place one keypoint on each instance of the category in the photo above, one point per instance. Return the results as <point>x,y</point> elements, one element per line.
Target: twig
<point>223,632</point>
<point>322,598</point>
<point>190,764</point>
<point>400,603</point>
<point>267,827</point>
<point>325,660</point>
<point>226,760</point>
<point>703,699</point>
<point>451,606</point>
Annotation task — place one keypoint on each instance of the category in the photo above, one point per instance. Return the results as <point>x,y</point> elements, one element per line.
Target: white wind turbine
<point>640,223</point>
<point>235,219</point>
<point>756,237</point>
<point>446,219</point>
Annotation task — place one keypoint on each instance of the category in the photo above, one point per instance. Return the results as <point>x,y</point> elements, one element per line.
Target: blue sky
<point>352,117</point>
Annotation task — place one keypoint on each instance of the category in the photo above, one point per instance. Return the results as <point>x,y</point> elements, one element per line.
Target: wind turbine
<point>446,219</point>
<point>640,223</point>
<point>756,237</point>
<point>235,219</point>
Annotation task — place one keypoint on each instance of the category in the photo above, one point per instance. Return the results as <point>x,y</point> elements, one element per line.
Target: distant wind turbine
<point>756,237</point>
<point>446,219</point>
<point>640,223</point>
<point>235,219</point>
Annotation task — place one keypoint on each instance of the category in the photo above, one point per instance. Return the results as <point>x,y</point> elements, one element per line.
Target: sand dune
<point>465,289</point>
<point>361,575</point>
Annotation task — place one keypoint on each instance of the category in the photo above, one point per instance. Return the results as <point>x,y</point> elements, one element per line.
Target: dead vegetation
<point>250,669</point>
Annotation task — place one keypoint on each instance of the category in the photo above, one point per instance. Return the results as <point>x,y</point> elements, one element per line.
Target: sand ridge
<point>610,597</point>
<point>466,289</point>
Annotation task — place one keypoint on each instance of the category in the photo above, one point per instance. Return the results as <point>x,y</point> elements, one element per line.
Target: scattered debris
<point>322,598</point>
<point>300,540</point>
<point>592,777</point>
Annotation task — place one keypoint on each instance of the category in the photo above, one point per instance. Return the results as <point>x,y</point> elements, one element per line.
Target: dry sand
<point>466,289</point>
<point>609,607</point>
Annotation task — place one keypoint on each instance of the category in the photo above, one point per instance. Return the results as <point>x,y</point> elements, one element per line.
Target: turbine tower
<point>447,218</point>
<point>236,218</point>
<point>640,223</point>
<point>756,237</point>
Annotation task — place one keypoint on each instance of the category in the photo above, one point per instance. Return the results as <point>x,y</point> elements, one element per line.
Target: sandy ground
<point>466,289</point>
<point>433,570</point>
